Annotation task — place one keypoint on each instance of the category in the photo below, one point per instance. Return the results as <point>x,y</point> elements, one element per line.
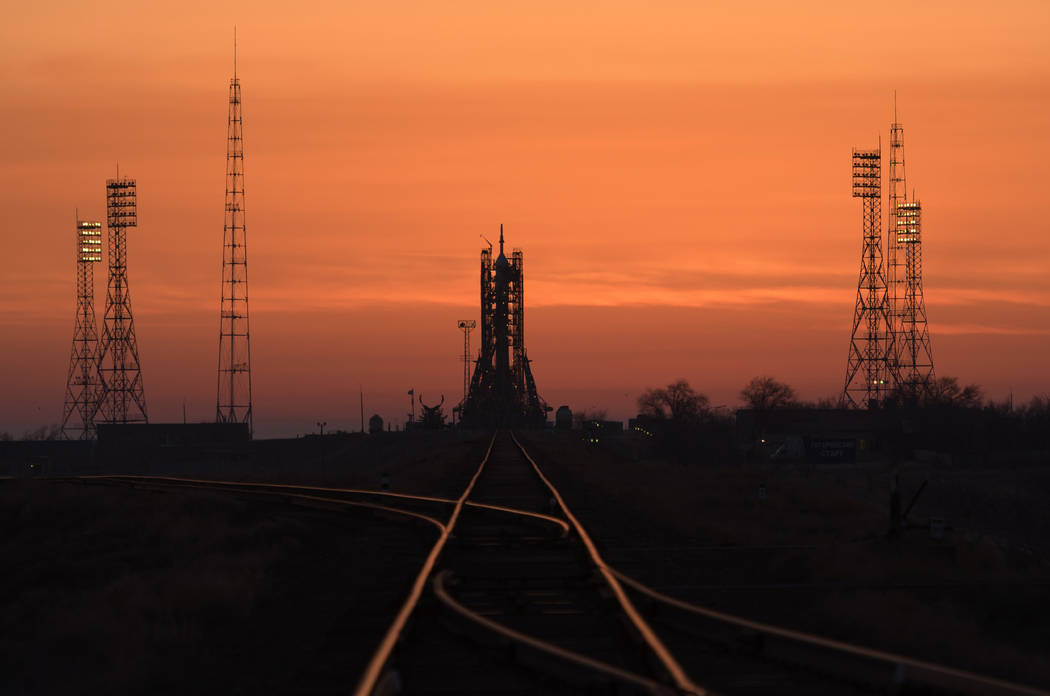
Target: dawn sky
<point>676,173</point>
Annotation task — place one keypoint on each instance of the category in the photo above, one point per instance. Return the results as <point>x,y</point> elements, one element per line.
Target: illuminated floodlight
<point>89,241</point>
<point>909,222</point>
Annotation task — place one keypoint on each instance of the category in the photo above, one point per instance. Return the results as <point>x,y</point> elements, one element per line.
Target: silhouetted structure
<point>467,325</point>
<point>563,418</point>
<point>502,391</point>
<point>233,400</point>
<point>375,424</point>
<point>895,272</point>
<point>890,352</point>
<point>123,399</point>
<point>911,359</point>
<point>914,354</point>
<point>867,367</point>
<point>83,383</point>
<point>432,417</point>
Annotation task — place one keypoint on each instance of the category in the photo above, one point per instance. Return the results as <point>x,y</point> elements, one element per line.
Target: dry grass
<point>110,589</point>
<point>992,613</point>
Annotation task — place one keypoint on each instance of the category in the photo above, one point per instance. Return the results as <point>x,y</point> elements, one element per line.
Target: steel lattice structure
<point>467,325</point>
<point>867,367</point>
<point>83,383</point>
<point>123,399</point>
<point>911,355</point>
<point>914,353</point>
<point>233,401</point>
<point>502,390</point>
<point>895,271</point>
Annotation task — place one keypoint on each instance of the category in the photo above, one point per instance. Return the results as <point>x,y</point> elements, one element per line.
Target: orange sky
<point>677,174</point>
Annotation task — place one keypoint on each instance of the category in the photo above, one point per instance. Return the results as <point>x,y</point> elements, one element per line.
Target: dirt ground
<point>425,462</point>
<point>143,591</point>
<point>108,589</point>
<point>813,553</point>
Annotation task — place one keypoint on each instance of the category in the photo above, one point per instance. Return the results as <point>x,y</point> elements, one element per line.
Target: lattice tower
<point>867,370</point>
<point>467,325</point>
<point>895,261</point>
<point>123,398</point>
<point>233,401</point>
<point>914,354</point>
<point>83,383</point>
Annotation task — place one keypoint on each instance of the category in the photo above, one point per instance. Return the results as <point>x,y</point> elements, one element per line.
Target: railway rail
<point>521,601</point>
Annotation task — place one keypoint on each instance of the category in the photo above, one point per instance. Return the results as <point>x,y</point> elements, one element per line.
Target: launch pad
<point>502,390</point>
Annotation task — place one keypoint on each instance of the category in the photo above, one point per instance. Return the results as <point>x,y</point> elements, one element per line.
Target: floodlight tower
<point>467,325</point>
<point>123,398</point>
<point>867,373</point>
<point>233,401</point>
<point>914,352</point>
<point>83,383</point>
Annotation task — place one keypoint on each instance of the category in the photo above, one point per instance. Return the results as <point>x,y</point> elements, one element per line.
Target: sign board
<point>832,450</point>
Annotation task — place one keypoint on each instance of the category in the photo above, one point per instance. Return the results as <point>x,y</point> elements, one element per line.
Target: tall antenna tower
<point>867,367</point>
<point>233,402</point>
<point>895,270</point>
<point>914,355</point>
<point>83,383</point>
<point>467,325</point>
<point>911,358</point>
<point>123,399</point>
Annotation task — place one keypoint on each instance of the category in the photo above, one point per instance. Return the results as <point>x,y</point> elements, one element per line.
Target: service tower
<point>502,391</point>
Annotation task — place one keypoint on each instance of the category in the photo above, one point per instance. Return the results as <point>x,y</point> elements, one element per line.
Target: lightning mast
<point>911,353</point>
<point>867,366</point>
<point>233,402</point>
<point>895,270</point>
<point>123,399</point>
<point>83,383</point>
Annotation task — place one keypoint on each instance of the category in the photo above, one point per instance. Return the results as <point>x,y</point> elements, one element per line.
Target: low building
<point>563,418</point>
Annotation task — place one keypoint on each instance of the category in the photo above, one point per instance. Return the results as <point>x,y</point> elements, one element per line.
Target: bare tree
<point>677,401</point>
<point>583,417</point>
<point>946,391</point>
<point>44,432</point>
<point>943,391</point>
<point>765,394</point>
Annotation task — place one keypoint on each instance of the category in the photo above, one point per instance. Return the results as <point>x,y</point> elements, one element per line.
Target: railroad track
<point>514,597</point>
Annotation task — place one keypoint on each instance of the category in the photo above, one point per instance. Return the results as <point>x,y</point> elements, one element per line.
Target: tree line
<point>680,402</point>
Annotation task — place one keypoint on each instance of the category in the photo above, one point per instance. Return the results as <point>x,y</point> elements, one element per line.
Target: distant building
<point>563,418</point>
<point>375,424</point>
<point>124,435</point>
